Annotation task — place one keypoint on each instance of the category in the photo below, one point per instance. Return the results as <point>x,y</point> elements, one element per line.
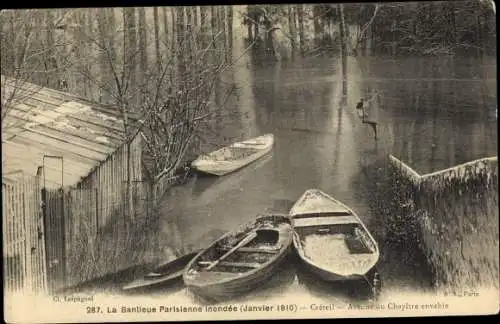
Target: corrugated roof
<point>45,121</point>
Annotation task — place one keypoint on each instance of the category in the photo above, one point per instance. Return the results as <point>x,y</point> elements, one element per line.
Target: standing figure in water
<point>369,113</point>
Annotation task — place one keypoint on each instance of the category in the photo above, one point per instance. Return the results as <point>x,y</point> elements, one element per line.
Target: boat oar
<point>243,242</point>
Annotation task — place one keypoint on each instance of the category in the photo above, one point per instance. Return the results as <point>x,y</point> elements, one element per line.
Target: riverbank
<point>452,216</point>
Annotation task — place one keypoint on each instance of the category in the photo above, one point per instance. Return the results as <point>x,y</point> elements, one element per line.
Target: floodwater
<point>435,113</point>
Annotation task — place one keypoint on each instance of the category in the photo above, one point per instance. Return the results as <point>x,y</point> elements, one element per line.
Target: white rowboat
<point>235,156</point>
<point>330,239</point>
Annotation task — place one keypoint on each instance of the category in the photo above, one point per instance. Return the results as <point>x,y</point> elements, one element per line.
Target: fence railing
<point>23,235</point>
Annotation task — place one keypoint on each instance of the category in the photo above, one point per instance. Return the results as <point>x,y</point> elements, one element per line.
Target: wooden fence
<point>77,232</point>
<point>81,231</point>
<point>23,232</point>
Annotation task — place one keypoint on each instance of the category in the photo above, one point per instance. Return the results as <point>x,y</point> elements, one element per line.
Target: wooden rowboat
<point>331,240</point>
<point>240,260</point>
<point>164,274</point>
<point>234,156</point>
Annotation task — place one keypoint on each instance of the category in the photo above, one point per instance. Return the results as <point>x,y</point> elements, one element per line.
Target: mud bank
<point>452,216</point>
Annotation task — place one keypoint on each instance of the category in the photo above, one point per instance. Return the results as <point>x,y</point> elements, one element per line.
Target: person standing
<point>370,111</point>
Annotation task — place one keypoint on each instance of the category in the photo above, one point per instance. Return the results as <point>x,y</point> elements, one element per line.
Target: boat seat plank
<point>253,250</point>
<point>233,264</point>
<point>317,221</point>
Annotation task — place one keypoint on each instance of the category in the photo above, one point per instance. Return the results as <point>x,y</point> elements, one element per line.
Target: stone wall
<point>453,217</point>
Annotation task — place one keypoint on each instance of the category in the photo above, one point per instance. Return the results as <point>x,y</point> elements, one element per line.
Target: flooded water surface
<point>435,113</point>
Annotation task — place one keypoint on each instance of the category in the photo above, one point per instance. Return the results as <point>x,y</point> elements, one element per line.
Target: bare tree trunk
<point>111,31</point>
<point>203,25</point>
<point>189,18</point>
<point>173,17</point>
<point>129,49</point>
<point>50,55</point>
<point>479,40</point>
<point>256,26</point>
<point>213,20</point>
<point>203,17</point>
<point>249,31</point>
<point>300,12</point>
<point>103,55</point>
<point>230,29</point>
<point>317,25</point>
<point>86,54</point>
<point>165,27</point>
<point>80,57</point>
<point>143,48</point>
<point>222,21</point>
<point>291,27</point>
<point>195,17</point>
<point>9,65</point>
<point>181,39</point>
<point>343,50</point>
<point>157,36</point>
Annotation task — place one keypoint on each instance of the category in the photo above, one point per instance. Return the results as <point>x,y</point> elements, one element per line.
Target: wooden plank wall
<point>109,181</point>
<point>81,231</point>
<point>23,232</point>
<point>53,206</point>
<point>77,223</point>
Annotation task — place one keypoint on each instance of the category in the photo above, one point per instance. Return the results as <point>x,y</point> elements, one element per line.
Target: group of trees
<point>406,28</point>
<point>161,64</point>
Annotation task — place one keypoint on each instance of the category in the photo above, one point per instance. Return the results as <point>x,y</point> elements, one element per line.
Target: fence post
<point>96,212</point>
<point>41,234</point>
<point>63,240</point>
<point>27,235</point>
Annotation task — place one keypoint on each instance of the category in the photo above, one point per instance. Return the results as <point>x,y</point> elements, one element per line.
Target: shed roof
<point>47,122</point>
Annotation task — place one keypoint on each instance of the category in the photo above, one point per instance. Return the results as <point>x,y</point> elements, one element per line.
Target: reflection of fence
<point>23,231</point>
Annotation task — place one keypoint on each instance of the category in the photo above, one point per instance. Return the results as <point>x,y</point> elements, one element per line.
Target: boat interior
<point>355,240</point>
<point>267,241</point>
<point>230,153</point>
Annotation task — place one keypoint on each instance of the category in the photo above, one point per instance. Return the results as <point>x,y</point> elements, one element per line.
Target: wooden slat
<point>35,157</point>
<point>57,150</point>
<point>233,264</point>
<point>254,250</point>
<point>21,211</point>
<point>318,221</point>
<point>99,123</point>
<point>27,234</point>
<point>88,142</point>
<point>74,148</point>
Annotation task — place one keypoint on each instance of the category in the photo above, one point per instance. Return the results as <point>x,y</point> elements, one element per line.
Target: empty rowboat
<point>240,260</point>
<point>235,156</point>
<point>164,274</point>
<point>331,240</point>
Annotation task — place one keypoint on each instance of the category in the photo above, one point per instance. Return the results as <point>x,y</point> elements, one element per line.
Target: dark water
<point>436,113</point>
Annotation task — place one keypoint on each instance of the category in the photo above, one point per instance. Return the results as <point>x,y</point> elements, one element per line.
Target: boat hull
<point>166,274</point>
<point>323,212</point>
<point>241,286</point>
<point>216,286</point>
<point>224,167</point>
